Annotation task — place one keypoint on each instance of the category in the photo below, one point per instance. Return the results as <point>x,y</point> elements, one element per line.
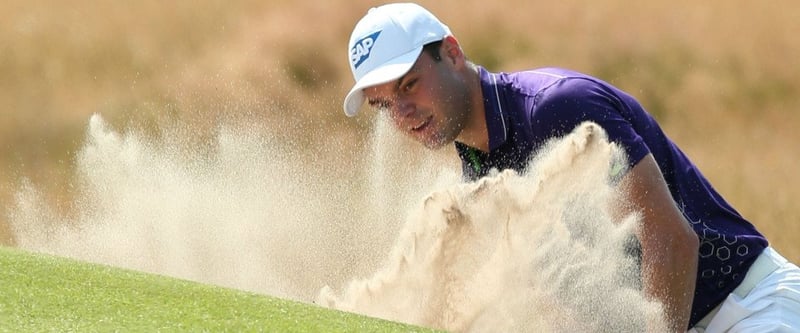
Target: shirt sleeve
<point>561,107</point>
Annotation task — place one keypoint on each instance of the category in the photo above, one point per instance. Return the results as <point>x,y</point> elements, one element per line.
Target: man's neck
<point>475,133</point>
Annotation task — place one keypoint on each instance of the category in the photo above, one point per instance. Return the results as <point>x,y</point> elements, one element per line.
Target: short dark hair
<point>433,50</point>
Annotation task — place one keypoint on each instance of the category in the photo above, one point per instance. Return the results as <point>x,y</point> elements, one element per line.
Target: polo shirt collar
<point>496,118</point>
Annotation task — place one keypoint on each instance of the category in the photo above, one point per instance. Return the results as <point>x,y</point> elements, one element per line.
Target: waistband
<point>767,262</point>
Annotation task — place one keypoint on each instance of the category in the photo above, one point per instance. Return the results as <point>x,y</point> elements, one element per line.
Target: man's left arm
<point>669,245</point>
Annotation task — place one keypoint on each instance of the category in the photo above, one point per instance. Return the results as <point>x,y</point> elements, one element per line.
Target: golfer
<point>712,270</point>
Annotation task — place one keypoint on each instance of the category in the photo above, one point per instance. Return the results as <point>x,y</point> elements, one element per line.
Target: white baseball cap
<point>385,44</point>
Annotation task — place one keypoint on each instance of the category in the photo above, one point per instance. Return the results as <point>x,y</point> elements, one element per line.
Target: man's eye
<point>382,105</point>
<point>409,85</point>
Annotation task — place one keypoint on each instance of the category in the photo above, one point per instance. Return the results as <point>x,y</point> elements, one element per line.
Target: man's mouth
<point>422,125</point>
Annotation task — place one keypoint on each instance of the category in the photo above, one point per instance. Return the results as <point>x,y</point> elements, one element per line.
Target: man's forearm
<point>670,279</point>
<point>669,245</point>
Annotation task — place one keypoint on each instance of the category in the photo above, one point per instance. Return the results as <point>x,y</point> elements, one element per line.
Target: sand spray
<point>393,234</point>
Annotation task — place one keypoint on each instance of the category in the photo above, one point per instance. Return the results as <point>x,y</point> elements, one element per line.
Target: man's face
<point>430,103</point>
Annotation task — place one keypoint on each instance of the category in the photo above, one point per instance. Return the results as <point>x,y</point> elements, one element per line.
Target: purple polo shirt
<point>526,109</point>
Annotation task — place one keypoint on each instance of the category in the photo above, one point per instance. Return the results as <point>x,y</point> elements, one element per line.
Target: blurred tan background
<point>722,78</point>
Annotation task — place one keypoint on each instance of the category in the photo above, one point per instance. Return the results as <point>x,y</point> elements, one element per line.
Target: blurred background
<point>721,77</point>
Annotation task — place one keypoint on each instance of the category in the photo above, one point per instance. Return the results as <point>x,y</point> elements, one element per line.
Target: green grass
<point>40,293</point>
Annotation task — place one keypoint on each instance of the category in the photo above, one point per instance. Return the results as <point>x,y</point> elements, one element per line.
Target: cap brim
<point>389,71</point>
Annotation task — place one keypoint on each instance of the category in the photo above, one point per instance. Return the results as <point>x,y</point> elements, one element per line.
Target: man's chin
<point>436,144</point>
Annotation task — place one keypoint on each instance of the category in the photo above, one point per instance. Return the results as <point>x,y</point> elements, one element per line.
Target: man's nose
<point>403,108</point>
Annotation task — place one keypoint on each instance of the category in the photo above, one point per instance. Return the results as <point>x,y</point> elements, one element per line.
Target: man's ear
<point>451,51</point>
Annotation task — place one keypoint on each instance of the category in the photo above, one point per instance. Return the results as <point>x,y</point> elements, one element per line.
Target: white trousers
<point>767,301</point>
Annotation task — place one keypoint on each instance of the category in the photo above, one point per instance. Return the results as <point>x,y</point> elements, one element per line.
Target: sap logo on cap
<point>360,51</point>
